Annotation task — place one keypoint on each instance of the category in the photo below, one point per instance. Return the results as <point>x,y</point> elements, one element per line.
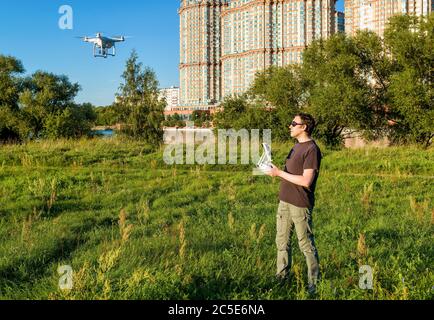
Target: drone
<point>103,46</point>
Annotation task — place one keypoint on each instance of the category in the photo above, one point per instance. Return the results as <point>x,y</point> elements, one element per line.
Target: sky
<point>29,31</point>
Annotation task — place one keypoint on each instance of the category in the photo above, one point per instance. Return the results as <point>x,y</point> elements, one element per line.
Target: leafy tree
<point>200,117</point>
<point>169,122</point>
<point>107,116</point>
<point>9,125</point>
<point>45,94</point>
<point>140,106</point>
<point>176,117</point>
<point>280,87</point>
<point>72,122</point>
<point>376,68</point>
<point>10,86</point>
<point>180,124</point>
<point>240,113</point>
<point>174,120</point>
<point>233,109</point>
<point>283,90</point>
<point>338,90</point>
<point>360,83</point>
<point>411,111</point>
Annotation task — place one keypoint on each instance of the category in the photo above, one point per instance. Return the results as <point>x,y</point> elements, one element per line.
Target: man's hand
<point>274,172</point>
<point>304,181</point>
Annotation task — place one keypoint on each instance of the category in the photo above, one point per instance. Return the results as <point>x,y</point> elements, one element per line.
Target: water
<point>199,132</point>
<point>104,133</point>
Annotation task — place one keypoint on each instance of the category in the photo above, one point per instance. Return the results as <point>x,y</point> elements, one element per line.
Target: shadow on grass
<point>385,234</point>
<point>243,288</point>
<point>26,270</point>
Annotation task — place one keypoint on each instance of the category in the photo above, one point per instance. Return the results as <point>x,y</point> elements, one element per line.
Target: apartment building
<point>374,14</point>
<point>224,43</point>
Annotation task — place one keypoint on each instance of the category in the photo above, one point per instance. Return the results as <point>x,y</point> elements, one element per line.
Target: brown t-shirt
<point>305,155</point>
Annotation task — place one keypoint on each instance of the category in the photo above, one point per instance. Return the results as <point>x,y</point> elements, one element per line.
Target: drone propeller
<point>124,37</point>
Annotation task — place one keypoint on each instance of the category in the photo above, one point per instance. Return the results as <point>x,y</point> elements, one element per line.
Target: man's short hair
<point>307,120</point>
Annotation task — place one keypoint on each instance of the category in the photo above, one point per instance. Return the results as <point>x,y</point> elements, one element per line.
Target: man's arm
<point>304,181</point>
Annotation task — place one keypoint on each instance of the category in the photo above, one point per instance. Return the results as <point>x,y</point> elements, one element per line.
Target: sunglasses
<point>294,124</point>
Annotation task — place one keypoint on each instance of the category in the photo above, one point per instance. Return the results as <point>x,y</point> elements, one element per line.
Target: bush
<point>9,129</point>
<point>73,122</point>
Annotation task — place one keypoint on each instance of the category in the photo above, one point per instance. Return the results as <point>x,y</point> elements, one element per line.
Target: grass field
<point>133,227</point>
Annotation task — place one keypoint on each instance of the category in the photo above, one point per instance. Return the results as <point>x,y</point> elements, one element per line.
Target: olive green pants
<point>290,217</point>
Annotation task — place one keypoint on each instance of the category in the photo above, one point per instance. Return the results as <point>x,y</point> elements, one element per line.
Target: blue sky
<point>29,31</point>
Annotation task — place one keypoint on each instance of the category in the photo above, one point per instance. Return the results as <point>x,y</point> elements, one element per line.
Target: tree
<point>176,117</point>
<point>240,113</point>
<point>45,95</point>
<point>107,116</point>
<point>200,117</point>
<point>140,106</point>
<point>168,122</point>
<point>410,42</point>
<point>10,86</point>
<point>339,95</point>
<point>72,122</point>
<point>283,90</point>
<point>280,86</point>
<point>233,109</point>
<point>376,67</point>
<point>9,125</point>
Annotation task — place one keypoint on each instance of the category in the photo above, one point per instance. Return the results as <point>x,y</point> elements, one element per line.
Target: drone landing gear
<point>103,52</point>
<point>111,53</point>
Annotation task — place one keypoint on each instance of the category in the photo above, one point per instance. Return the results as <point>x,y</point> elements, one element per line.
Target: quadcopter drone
<point>103,46</point>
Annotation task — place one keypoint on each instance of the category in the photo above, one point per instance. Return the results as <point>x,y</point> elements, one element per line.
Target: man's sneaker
<point>283,280</point>
<point>311,290</point>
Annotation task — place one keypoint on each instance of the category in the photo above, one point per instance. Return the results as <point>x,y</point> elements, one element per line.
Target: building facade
<point>374,14</point>
<point>340,21</point>
<point>172,97</point>
<point>258,34</point>
<point>199,69</point>
<point>225,42</point>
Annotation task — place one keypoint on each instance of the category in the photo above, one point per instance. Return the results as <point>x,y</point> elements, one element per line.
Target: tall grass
<point>133,227</point>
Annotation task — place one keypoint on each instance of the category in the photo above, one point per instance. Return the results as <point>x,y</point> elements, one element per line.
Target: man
<point>297,200</point>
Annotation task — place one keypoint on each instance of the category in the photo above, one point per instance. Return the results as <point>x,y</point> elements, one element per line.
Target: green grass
<point>206,232</point>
